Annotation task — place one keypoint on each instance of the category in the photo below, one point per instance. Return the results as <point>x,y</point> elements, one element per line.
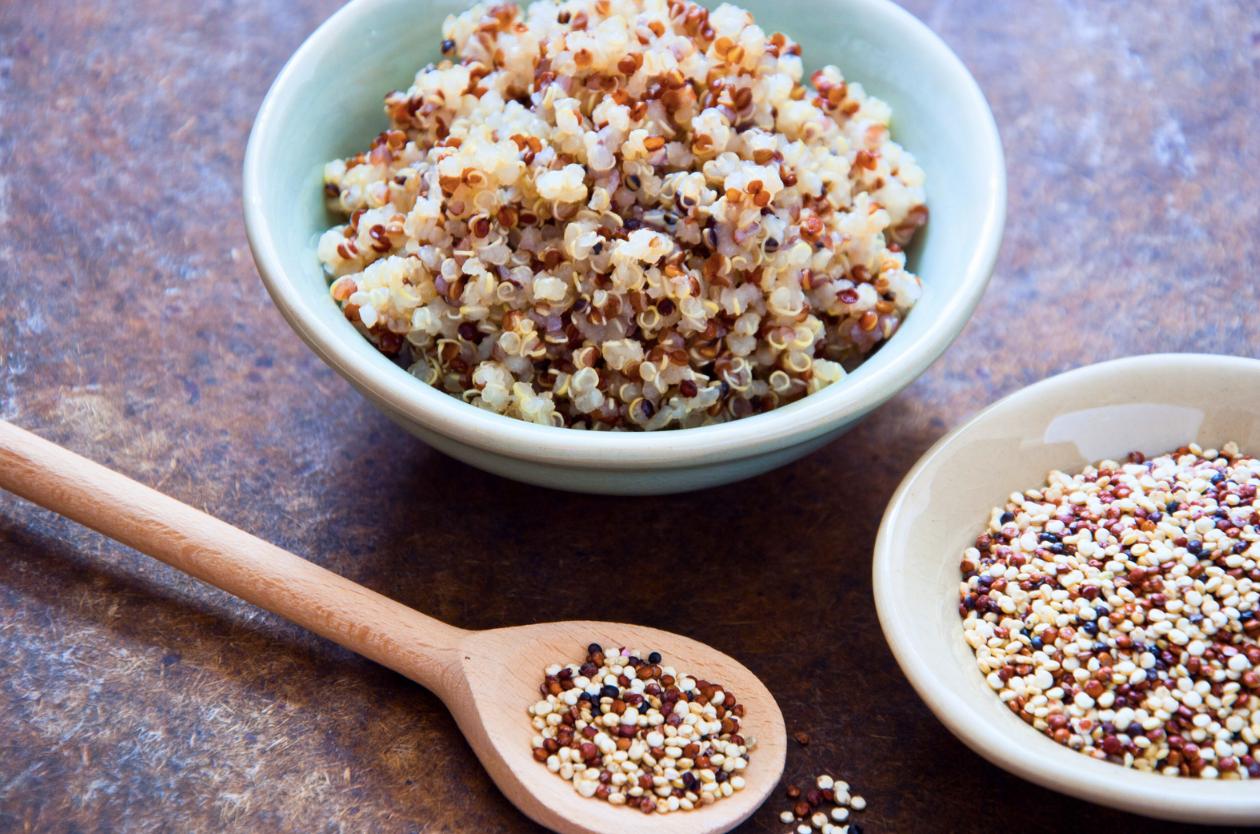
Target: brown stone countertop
<point>134,329</point>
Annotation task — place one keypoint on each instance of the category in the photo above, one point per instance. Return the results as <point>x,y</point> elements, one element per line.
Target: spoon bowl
<point>488,679</point>
<point>498,674</point>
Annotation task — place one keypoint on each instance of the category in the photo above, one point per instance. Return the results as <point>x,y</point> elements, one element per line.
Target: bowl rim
<point>1104,783</point>
<point>478,428</point>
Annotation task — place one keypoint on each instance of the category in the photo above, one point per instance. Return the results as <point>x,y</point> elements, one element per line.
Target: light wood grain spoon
<point>487,679</point>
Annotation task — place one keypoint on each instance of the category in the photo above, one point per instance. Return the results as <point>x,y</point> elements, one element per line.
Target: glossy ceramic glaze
<point>326,103</point>
<point>1150,404</point>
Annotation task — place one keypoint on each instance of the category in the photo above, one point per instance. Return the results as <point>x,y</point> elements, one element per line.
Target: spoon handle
<point>400,638</point>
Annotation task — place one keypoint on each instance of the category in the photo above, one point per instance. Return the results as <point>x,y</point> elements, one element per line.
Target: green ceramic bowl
<point>327,103</point>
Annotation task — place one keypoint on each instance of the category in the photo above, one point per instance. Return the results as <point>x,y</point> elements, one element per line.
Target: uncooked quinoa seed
<point>625,729</point>
<point>1116,611</point>
<point>625,214</point>
<point>826,807</point>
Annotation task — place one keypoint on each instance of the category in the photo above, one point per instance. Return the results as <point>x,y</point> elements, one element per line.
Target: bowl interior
<point>327,103</point>
<point>1149,404</point>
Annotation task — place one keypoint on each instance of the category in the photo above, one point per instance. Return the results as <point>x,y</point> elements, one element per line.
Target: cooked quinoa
<point>626,214</point>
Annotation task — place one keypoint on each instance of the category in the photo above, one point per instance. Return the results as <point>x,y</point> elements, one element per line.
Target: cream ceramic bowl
<point>327,103</point>
<point>1151,404</point>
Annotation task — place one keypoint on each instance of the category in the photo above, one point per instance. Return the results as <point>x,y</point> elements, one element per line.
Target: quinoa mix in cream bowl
<point>625,214</point>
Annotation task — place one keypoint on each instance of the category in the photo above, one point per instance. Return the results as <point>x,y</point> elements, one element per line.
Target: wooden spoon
<point>487,679</point>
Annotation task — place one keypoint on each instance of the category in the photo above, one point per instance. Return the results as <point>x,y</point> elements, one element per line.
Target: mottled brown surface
<point>134,329</point>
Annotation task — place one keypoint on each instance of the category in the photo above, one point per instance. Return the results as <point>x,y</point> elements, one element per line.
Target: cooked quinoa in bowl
<point>625,214</point>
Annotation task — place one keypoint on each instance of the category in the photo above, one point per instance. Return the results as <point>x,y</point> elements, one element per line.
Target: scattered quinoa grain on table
<point>625,729</point>
<point>1117,611</point>
<point>825,807</point>
<point>625,214</point>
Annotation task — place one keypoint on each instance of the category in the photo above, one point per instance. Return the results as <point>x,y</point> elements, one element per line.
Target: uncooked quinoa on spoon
<point>625,214</point>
